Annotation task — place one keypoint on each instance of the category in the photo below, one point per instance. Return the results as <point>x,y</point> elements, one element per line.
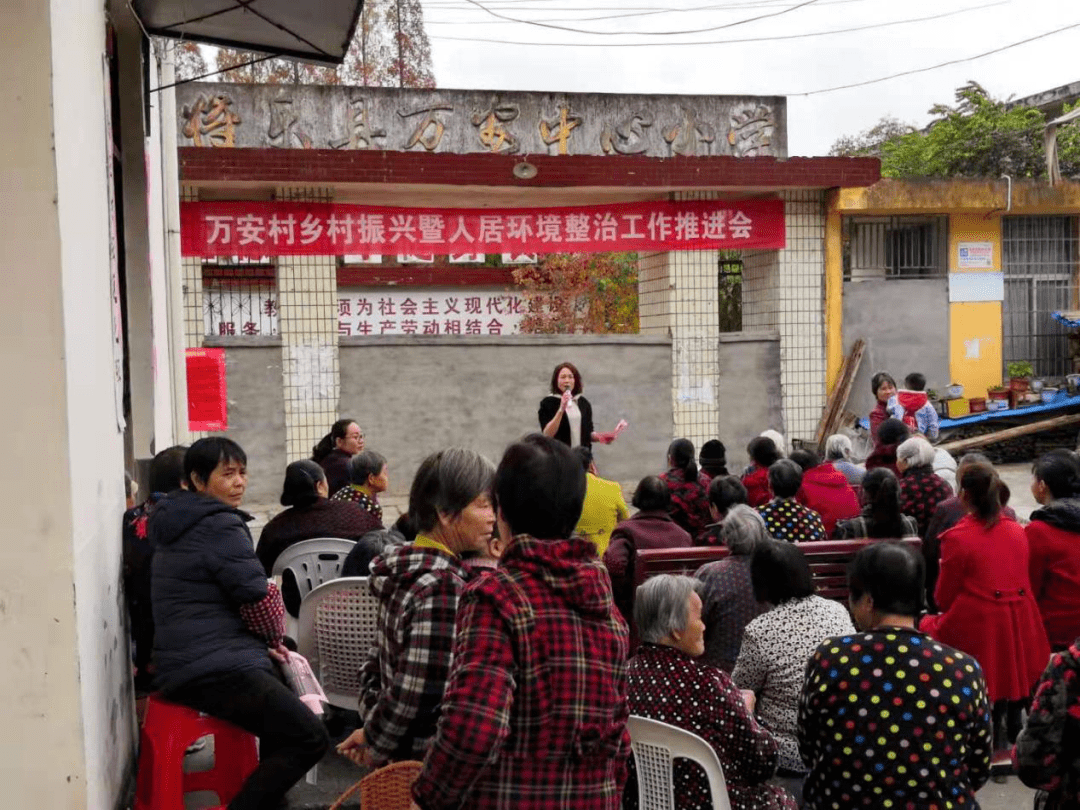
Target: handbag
<point>301,679</point>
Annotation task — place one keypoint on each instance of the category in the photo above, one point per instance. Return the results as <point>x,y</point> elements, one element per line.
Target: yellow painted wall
<point>975,332</point>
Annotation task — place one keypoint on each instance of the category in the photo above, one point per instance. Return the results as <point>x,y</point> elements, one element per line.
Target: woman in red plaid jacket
<point>534,716</point>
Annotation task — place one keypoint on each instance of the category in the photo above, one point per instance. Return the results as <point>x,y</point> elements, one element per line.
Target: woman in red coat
<point>825,490</point>
<point>983,590</point>
<point>1054,541</point>
<point>763,453</point>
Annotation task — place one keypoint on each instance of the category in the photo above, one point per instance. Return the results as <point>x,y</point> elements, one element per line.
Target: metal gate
<point>1039,257</point>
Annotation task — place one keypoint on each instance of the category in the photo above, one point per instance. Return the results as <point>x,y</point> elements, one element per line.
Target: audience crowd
<point>516,630</point>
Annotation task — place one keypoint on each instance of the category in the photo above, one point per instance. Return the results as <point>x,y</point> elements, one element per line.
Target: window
<point>240,301</point>
<point>895,247</point>
<point>1040,259</point>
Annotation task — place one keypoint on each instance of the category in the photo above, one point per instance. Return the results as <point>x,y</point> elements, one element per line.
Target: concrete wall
<point>257,415</point>
<point>95,445</point>
<point>906,327</point>
<point>749,395</point>
<point>41,749</point>
<point>413,396</point>
<point>67,716</point>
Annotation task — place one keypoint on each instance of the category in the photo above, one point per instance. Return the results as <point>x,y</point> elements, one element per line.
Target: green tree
<point>978,136</point>
<point>580,293</point>
<point>389,49</point>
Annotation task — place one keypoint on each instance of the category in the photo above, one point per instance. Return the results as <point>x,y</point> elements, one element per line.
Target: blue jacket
<point>204,569</point>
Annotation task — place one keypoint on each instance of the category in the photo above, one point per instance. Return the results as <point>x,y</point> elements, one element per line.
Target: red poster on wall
<point>208,405</point>
<point>255,229</point>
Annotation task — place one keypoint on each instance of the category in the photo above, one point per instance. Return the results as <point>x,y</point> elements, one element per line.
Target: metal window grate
<point>895,247</point>
<point>239,301</point>
<point>1041,260</point>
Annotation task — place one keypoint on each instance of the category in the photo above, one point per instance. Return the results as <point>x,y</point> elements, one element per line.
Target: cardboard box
<point>958,407</point>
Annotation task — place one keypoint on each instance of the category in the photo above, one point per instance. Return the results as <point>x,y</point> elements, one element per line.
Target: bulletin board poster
<point>208,403</point>
<point>975,256</point>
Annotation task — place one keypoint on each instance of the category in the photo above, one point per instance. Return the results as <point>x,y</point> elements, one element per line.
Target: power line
<point>788,10</point>
<point>629,11</point>
<point>778,37</point>
<point>939,65</point>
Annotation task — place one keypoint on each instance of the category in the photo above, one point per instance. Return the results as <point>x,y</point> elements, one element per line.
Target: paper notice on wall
<point>208,405</point>
<point>313,370</point>
<point>975,256</point>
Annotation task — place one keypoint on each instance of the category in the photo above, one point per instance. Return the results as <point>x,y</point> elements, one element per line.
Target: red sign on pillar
<point>208,405</point>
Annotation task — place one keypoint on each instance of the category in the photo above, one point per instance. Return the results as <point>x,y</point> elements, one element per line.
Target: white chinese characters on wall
<point>418,311</point>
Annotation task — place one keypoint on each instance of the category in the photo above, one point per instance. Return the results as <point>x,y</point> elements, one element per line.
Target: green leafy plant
<point>1020,368</point>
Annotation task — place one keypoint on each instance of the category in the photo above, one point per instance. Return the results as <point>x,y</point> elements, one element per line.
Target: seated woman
<point>881,517</point>
<point>887,713</point>
<point>763,454</point>
<point>891,434</point>
<point>725,491</point>
<point>727,597</point>
<point>688,488</point>
<point>1047,753</point>
<point>310,515</point>
<point>211,651</point>
<point>778,644</point>
<point>984,593</point>
<point>418,586</point>
<point>786,518</point>
<point>334,450</point>
<point>838,452</point>
<point>712,458</point>
<point>1054,544</point>
<point>667,683</point>
<point>825,490</point>
<point>367,478</point>
<point>535,709</point>
<point>650,527</point>
<point>604,505</point>
<point>921,489</point>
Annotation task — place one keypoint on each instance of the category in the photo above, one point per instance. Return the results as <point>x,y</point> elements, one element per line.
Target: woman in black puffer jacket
<point>218,622</point>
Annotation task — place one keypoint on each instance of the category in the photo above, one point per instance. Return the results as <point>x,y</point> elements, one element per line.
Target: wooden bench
<point>828,562</point>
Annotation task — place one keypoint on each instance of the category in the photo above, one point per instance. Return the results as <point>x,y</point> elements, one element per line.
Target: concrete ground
<point>336,774</point>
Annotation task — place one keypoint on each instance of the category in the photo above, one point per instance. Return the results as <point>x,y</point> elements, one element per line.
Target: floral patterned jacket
<point>1047,752</point>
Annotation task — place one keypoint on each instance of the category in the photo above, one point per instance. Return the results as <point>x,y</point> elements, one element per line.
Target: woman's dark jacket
<point>336,467</point>
<point>204,569</point>
<point>549,406</point>
<point>322,518</point>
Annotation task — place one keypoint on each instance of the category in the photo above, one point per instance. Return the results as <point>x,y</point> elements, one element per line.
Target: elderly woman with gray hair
<point>921,489</point>
<point>727,593</point>
<point>838,452</point>
<point>667,683</point>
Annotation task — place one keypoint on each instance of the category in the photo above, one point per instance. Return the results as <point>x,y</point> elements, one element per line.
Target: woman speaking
<point>566,415</point>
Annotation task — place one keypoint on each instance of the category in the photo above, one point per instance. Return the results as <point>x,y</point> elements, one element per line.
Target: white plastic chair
<point>338,626</point>
<point>336,630</point>
<point>656,745</point>
<point>313,562</point>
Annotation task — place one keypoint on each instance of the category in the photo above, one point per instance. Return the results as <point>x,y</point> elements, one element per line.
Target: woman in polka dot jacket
<point>888,717</point>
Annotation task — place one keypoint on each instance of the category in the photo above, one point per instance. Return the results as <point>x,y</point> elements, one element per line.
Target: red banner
<point>255,229</point>
<point>208,402</point>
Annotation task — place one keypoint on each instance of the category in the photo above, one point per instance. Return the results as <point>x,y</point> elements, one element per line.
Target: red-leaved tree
<point>582,293</point>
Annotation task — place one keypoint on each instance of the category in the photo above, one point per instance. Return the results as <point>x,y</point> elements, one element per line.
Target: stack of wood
<point>834,414</point>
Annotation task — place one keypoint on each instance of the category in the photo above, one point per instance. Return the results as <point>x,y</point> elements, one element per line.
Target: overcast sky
<point>790,67</point>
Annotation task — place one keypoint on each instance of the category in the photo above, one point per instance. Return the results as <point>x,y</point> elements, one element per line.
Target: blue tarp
<point>1057,404</point>
<point>1064,318</point>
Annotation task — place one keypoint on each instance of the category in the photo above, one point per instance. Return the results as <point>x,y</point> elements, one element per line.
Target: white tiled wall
<point>307,296</point>
<point>784,290</point>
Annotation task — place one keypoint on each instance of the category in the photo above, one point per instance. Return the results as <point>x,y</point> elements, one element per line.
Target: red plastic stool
<point>167,732</point>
